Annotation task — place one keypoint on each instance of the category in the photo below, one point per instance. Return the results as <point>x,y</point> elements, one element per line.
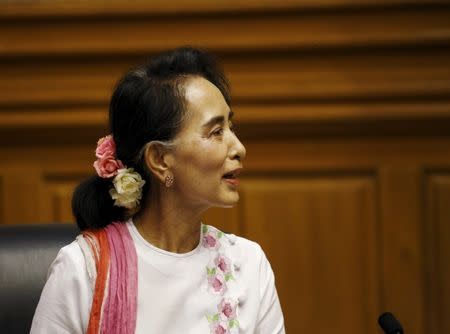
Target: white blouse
<point>224,285</point>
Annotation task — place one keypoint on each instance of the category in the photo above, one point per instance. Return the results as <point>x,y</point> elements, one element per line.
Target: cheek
<point>204,157</point>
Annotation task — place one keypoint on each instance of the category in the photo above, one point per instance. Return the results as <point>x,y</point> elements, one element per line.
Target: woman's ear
<point>157,158</point>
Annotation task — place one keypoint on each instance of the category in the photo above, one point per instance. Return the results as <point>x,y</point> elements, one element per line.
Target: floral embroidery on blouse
<point>219,272</point>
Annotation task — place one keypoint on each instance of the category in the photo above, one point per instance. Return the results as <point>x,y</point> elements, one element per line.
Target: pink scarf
<point>111,262</point>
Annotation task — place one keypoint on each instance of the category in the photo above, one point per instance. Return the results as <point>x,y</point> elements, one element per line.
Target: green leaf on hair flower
<point>228,277</point>
<point>211,271</point>
<point>219,234</point>
<point>205,228</point>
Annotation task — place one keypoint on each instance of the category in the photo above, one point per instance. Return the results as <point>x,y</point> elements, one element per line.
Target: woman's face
<point>206,149</point>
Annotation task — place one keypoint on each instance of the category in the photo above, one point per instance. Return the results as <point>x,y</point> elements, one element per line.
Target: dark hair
<point>147,104</point>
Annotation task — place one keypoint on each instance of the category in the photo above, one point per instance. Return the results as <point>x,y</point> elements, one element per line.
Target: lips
<point>233,174</point>
<point>231,177</point>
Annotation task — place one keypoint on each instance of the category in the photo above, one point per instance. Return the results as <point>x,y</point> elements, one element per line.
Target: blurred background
<point>344,108</point>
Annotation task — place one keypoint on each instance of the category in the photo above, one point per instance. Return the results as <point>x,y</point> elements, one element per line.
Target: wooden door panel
<point>437,189</point>
<point>320,236</point>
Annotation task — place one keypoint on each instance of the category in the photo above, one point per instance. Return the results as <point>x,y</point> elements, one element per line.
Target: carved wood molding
<point>247,31</point>
<point>254,120</point>
<point>325,67</point>
<point>256,77</point>
<point>47,9</point>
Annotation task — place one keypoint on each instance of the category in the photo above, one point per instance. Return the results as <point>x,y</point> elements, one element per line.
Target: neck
<point>169,225</point>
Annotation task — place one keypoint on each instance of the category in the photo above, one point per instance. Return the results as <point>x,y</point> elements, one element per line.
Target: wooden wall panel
<point>402,244</point>
<point>49,9</point>
<point>58,191</point>
<point>2,199</point>
<point>227,220</point>
<point>22,202</point>
<point>38,177</point>
<point>226,32</point>
<point>344,108</point>
<point>437,215</point>
<point>254,77</point>
<point>320,234</point>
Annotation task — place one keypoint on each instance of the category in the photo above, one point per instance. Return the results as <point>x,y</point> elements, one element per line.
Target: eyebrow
<point>217,119</point>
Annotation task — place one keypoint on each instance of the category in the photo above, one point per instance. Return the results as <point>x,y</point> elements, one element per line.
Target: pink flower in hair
<point>106,148</point>
<point>107,167</point>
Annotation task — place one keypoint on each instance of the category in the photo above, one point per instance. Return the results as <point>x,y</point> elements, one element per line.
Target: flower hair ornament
<point>127,183</point>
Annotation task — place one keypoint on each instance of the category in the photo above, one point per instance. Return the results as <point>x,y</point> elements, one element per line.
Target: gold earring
<point>169,181</point>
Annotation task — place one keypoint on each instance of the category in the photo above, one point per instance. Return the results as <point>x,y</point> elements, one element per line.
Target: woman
<point>144,262</point>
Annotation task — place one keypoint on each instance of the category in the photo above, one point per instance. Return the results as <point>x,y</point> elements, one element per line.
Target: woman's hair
<point>148,104</point>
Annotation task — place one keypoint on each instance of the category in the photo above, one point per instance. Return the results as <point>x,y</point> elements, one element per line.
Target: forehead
<point>203,101</point>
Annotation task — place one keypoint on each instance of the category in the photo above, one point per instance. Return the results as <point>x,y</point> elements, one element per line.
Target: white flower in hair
<point>127,190</point>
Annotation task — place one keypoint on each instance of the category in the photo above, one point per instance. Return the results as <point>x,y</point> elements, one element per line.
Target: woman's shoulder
<point>241,247</point>
<point>69,257</point>
<point>70,253</point>
<point>67,295</point>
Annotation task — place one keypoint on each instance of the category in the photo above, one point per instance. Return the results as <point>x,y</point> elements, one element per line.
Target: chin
<point>228,206</point>
<point>230,201</point>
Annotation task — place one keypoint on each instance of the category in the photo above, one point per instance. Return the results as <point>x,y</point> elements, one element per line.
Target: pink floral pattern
<point>211,241</point>
<point>227,309</point>
<point>223,263</point>
<point>219,273</point>
<point>219,328</point>
<point>217,284</point>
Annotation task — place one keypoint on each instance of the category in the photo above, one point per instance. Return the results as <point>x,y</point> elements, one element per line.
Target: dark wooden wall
<point>344,108</point>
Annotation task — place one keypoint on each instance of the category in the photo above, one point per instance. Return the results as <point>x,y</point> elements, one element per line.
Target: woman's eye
<point>218,132</point>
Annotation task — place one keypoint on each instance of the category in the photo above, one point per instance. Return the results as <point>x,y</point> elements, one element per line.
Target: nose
<point>237,150</point>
